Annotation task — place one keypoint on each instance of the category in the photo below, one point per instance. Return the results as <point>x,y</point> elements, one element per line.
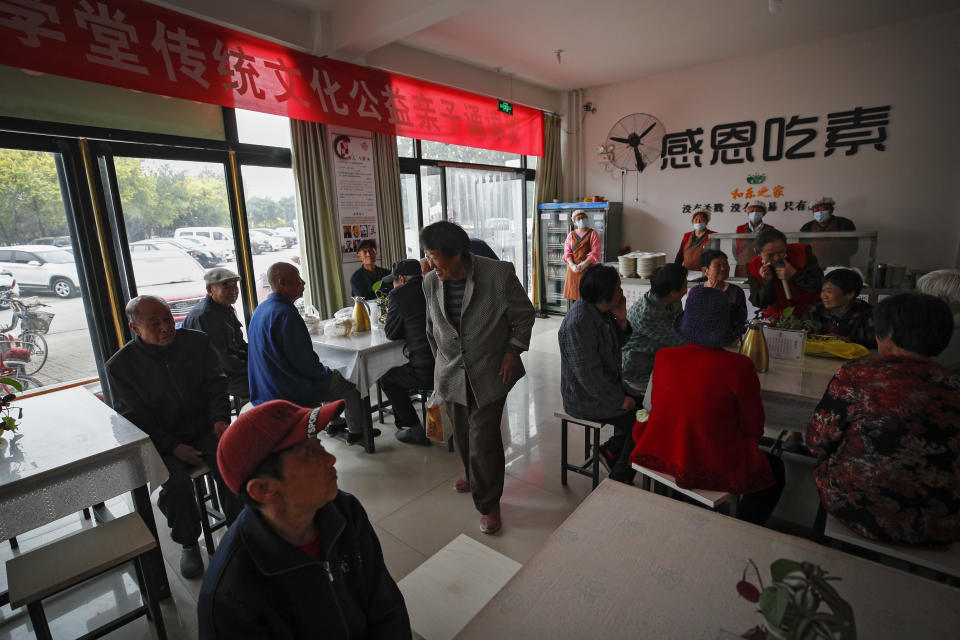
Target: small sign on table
<point>785,344</point>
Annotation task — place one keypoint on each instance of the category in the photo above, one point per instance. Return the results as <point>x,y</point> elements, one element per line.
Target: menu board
<point>356,192</point>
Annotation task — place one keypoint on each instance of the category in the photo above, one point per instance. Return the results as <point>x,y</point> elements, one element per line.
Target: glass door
<point>44,337</point>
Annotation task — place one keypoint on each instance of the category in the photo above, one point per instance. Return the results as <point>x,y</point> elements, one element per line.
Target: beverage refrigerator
<point>605,218</point>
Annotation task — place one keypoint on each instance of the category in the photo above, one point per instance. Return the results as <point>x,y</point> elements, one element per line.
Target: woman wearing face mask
<point>830,251</point>
<point>580,250</point>
<point>745,248</point>
<point>694,242</point>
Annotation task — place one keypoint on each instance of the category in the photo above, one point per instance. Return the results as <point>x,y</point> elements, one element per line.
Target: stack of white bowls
<point>628,266</point>
<point>648,261</point>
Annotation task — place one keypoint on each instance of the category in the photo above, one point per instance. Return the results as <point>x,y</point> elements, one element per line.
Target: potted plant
<point>786,335</point>
<point>800,604</point>
<point>9,421</point>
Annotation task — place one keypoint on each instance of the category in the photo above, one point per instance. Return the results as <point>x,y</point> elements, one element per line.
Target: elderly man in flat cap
<point>216,317</point>
<point>302,560</point>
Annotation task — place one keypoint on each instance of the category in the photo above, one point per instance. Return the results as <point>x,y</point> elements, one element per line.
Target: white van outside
<point>219,238</point>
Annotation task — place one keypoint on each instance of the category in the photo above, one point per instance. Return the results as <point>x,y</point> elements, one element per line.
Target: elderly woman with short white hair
<point>945,284</point>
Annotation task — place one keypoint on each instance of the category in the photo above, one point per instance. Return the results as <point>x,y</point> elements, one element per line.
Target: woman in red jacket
<point>783,275</point>
<point>705,434</point>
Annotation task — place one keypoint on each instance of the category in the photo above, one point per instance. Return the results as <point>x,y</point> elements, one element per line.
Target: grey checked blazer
<point>496,312</point>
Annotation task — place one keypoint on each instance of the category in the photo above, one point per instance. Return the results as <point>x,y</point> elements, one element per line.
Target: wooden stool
<point>591,465</point>
<point>58,566</point>
<point>207,493</point>
<point>709,499</point>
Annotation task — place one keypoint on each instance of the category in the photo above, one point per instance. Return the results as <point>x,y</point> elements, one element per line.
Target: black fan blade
<point>623,140</point>
<point>647,130</point>
<point>640,165</point>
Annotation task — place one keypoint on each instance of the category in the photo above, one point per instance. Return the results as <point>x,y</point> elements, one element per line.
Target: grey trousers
<point>339,387</point>
<point>476,433</point>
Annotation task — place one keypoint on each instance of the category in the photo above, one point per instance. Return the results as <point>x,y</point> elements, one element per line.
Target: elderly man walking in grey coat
<point>479,321</point>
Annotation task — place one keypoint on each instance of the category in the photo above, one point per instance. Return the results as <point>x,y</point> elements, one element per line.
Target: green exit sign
<point>505,107</point>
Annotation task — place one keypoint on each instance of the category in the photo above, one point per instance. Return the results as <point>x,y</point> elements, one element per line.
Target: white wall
<point>909,193</point>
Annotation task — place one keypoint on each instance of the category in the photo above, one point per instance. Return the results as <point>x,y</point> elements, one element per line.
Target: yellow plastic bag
<point>833,347</point>
<point>436,419</point>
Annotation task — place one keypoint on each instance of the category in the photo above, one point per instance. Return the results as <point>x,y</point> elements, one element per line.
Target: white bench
<point>945,562</point>
<point>445,592</point>
<point>709,499</point>
<point>55,567</point>
<point>591,463</point>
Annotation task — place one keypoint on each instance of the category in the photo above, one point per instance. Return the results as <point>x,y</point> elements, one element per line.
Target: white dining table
<point>361,358</point>
<point>632,564</point>
<point>70,452</point>
<point>791,390</point>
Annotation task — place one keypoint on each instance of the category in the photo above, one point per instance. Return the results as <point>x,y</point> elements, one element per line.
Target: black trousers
<point>476,432</point>
<point>398,383</point>
<point>756,507</point>
<point>177,501</point>
<point>621,444</point>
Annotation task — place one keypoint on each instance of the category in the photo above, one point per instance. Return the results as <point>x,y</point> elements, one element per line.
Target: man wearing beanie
<point>302,560</point>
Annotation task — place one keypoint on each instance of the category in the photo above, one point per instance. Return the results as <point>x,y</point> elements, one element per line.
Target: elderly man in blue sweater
<point>281,362</point>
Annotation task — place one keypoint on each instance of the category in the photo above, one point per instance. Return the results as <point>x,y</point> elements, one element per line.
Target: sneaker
<point>357,436</point>
<point>490,522</point>
<point>607,459</point>
<point>191,564</point>
<point>335,426</point>
<point>462,485</point>
<point>413,435</point>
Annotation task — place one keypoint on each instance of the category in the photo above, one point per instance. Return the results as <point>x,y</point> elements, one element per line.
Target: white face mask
<point>756,217</point>
<point>581,223</point>
<point>699,226</point>
<point>821,216</point>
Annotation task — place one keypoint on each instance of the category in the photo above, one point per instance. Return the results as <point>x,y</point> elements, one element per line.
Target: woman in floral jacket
<point>887,432</point>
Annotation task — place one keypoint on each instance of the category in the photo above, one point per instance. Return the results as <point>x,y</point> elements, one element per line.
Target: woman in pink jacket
<point>580,250</point>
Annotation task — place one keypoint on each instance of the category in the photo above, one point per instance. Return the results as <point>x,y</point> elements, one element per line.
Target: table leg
<point>153,560</point>
<point>367,424</point>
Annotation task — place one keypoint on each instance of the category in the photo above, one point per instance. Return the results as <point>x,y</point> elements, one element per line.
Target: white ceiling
<point>603,41</point>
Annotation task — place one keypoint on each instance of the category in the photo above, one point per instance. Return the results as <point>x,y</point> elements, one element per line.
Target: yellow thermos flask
<point>360,315</point>
<point>754,346</point>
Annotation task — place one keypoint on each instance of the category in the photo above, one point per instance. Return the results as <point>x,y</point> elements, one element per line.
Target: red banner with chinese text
<point>132,44</point>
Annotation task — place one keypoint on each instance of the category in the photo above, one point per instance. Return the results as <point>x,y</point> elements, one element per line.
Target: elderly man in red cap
<point>302,560</point>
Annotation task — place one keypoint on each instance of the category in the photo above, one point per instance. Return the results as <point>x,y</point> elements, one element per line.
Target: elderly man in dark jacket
<point>591,337</point>
<point>168,382</point>
<point>407,320</point>
<point>302,560</point>
<point>215,316</point>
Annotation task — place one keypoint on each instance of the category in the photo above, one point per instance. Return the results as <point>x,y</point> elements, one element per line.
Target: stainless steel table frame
<point>73,451</point>
<point>361,358</point>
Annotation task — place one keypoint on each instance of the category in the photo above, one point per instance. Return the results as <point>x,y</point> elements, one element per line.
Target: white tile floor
<point>407,492</point>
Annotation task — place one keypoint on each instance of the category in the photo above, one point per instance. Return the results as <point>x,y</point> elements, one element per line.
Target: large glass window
<point>495,205</point>
<point>455,153</point>
<point>406,147</point>
<point>489,206</point>
<point>177,219</point>
<point>411,223</point>
<point>431,194</point>
<point>265,129</point>
<point>272,217</point>
<point>43,323</point>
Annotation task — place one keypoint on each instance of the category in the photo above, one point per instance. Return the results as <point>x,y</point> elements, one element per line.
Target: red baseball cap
<point>267,428</point>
